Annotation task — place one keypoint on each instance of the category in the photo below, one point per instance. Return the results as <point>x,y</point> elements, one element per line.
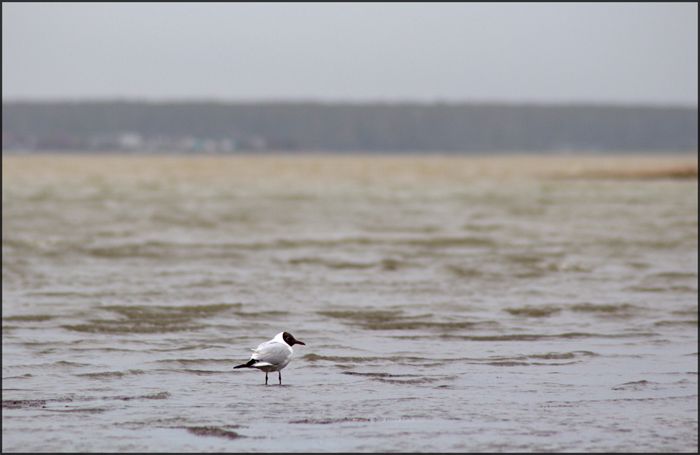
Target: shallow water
<point>447,304</point>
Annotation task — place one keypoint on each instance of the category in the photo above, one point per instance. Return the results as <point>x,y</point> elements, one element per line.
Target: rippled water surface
<point>447,304</point>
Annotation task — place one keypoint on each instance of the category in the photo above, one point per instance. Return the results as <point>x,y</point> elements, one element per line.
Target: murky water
<point>447,304</point>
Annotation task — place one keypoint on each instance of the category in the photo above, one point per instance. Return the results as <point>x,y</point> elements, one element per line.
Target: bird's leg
<point>280,373</point>
<point>266,378</point>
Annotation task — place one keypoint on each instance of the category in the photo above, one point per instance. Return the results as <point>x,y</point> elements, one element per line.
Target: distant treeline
<point>349,127</point>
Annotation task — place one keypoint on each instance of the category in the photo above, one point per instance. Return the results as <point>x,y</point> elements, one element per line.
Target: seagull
<point>272,355</point>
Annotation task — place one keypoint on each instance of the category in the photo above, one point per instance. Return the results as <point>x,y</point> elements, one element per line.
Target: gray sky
<point>639,53</point>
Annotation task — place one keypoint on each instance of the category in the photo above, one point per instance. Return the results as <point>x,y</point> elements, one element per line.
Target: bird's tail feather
<point>246,365</point>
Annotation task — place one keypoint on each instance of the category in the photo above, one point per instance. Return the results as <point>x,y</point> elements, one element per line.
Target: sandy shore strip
<point>365,168</point>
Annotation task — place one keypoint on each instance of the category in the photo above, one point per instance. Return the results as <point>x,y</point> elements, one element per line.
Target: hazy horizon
<point>322,102</point>
<point>630,54</point>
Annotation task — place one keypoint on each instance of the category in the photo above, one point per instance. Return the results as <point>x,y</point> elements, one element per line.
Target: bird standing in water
<point>272,355</point>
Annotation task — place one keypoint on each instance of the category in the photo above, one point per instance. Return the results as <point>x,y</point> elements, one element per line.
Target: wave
<point>538,337</point>
<point>110,374</point>
<point>152,318</point>
<point>413,360</point>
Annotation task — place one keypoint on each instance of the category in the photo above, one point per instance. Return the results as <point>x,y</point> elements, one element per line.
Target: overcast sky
<point>631,53</point>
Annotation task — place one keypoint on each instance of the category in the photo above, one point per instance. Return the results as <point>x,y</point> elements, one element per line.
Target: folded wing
<point>272,353</point>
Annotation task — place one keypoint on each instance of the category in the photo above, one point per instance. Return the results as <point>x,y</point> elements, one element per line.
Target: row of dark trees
<point>371,126</point>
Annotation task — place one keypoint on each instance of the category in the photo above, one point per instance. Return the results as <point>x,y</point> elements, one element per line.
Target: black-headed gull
<point>272,355</point>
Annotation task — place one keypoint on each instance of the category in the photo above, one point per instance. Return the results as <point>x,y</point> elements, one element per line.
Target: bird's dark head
<point>290,340</point>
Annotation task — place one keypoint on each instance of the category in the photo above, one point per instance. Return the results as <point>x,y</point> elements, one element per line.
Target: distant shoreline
<point>211,127</point>
<point>349,153</point>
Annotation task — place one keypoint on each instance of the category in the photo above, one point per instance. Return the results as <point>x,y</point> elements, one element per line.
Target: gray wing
<point>272,353</point>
